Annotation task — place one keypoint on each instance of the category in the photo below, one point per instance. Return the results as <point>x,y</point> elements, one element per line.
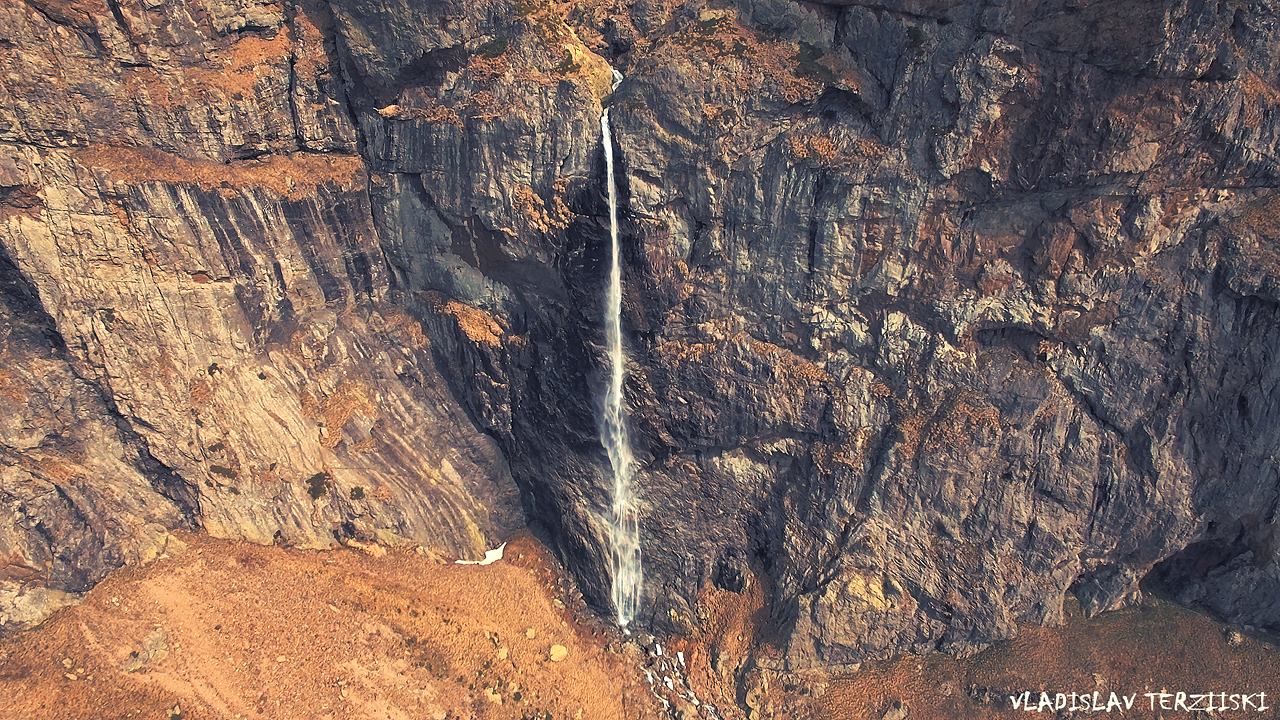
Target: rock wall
<point>944,312</point>
<point>190,230</point>
<point>937,312</point>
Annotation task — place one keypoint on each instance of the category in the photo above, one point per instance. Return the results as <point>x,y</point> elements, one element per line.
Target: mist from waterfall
<point>624,522</point>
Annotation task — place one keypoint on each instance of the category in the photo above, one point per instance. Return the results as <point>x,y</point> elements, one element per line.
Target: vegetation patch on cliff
<point>291,176</point>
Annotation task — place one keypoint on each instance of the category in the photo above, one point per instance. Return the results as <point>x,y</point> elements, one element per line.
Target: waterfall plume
<point>624,521</point>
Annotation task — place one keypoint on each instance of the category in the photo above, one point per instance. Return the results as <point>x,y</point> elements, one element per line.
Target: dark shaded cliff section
<point>937,312</point>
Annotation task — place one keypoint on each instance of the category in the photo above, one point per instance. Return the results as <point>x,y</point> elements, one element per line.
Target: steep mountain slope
<point>937,312</point>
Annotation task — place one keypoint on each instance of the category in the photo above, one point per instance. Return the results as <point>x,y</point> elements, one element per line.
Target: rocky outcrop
<point>79,496</point>
<point>202,259</point>
<point>937,312</point>
<point>935,306</point>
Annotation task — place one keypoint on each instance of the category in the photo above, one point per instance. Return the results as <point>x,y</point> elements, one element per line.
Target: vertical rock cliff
<point>198,329</point>
<point>937,312</point>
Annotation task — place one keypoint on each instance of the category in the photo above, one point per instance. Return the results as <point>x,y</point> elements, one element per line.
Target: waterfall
<point>624,521</point>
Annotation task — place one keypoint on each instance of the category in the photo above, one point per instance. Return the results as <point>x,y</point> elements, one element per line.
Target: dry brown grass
<point>737,60</point>
<point>964,422</point>
<point>237,70</point>
<point>477,325</point>
<point>406,329</point>
<point>536,214</point>
<point>911,428</point>
<point>289,176</point>
<point>265,632</point>
<point>1129,651</point>
<point>1260,217</point>
<point>426,109</point>
<point>723,646</point>
<point>539,47</point>
<point>681,352</point>
<point>335,410</point>
<point>233,72</point>
<point>823,150</point>
<point>11,388</point>
<point>848,453</point>
<point>253,631</point>
<point>788,365</point>
<point>1259,98</point>
<point>200,393</point>
<point>58,470</point>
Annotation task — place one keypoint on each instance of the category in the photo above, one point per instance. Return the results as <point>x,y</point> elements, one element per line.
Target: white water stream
<point>624,522</point>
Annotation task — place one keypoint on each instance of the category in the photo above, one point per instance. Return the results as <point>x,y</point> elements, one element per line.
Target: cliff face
<point>944,312</point>
<point>937,312</point>
<point>198,328</point>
